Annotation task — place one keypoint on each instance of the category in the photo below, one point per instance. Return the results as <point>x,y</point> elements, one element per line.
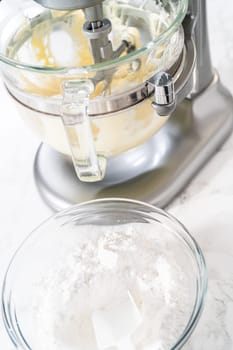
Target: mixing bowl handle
<point>88,165</point>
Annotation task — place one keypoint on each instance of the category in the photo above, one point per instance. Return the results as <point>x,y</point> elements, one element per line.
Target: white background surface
<point>205,207</point>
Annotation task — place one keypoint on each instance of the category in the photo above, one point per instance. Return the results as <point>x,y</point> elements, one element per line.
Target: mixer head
<point>68,4</point>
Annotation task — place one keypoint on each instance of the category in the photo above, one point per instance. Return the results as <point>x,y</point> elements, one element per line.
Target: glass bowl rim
<point>104,65</point>
<point>192,246</point>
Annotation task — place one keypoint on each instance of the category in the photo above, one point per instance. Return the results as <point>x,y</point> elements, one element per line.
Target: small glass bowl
<point>101,258</point>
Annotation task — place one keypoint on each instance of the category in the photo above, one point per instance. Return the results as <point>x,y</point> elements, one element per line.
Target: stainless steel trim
<point>164,96</point>
<point>164,89</point>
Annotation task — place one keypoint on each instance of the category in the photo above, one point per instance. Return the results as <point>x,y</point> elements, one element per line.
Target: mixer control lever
<point>164,94</point>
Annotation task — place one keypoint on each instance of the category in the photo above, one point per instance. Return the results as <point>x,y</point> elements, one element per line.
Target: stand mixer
<point>123,91</point>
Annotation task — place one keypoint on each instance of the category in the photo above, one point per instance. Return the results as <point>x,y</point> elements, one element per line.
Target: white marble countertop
<point>205,207</point>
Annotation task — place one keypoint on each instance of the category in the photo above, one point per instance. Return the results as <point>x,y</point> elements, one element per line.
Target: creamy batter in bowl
<point>40,49</point>
<point>106,274</point>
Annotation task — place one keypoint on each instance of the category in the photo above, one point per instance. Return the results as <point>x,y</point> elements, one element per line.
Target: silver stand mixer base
<point>154,172</point>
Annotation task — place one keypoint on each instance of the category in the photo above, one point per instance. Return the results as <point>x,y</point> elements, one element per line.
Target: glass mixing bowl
<point>109,273</point>
<point>40,49</point>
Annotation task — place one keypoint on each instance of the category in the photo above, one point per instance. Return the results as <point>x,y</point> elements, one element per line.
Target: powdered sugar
<point>96,273</point>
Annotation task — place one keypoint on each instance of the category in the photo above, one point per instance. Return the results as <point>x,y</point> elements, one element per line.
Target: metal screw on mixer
<point>164,95</point>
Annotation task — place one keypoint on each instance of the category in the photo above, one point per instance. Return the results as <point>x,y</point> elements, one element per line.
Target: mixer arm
<point>203,72</point>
